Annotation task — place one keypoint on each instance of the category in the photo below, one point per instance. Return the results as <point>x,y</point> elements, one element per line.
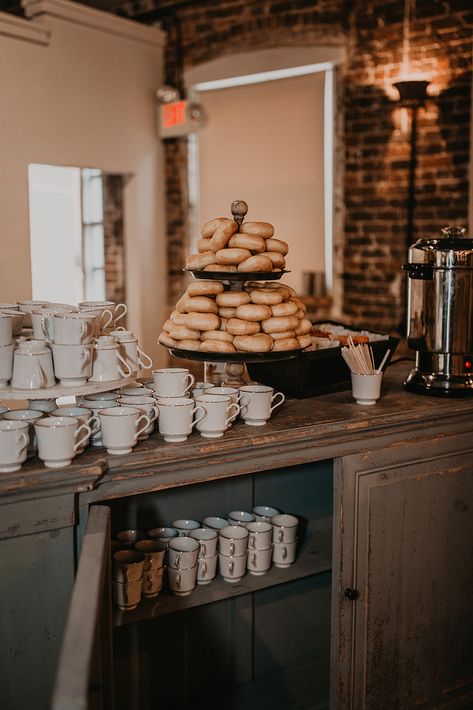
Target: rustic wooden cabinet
<point>375,613</point>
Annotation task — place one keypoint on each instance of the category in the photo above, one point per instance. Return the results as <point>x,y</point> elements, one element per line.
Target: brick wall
<point>114,246</point>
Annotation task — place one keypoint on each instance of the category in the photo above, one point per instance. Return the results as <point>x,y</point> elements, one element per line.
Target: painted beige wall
<point>78,88</point>
<point>264,143</point>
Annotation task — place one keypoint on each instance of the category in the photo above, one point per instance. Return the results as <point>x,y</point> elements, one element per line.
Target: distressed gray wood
<point>35,516</point>
<point>77,683</point>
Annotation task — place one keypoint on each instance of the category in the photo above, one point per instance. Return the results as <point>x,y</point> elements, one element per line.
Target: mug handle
<point>121,315</point>
<point>198,419</point>
<point>204,567</point>
<point>242,404</point>
<point>178,579</point>
<point>82,441</point>
<point>284,553</point>
<point>85,356</point>
<point>231,566</point>
<point>177,560</point>
<point>276,394</point>
<point>94,424</point>
<point>86,330</point>
<point>109,322</point>
<point>232,549</point>
<point>253,559</point>
<point>280,535</point>
<point>191,380</point>
<point>22,442</point>
<point>202,549</point>
<point>122,360</point>
<point>253,542</point>
<point>232,417</point>
<point>45,323</point>
<point>142,362</point>
<point>153,415</point>
<point>143,417</point>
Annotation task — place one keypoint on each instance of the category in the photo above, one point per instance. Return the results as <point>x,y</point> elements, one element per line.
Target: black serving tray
<point>237,275</point>
<point>315,372</point>
<point>276,356</point>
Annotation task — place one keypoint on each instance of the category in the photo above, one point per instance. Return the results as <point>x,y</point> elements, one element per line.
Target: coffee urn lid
<point>451,249</point>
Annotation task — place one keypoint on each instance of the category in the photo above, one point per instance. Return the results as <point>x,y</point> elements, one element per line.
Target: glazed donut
<point>304,341</point>
<point>286,344</point>
<point>209,227</point>
<point>181,332</point>
<point>218,267</point>
<point>303,327</point>
<point>247,241</point>
<point>283,336</point>
<point>205,288</point>
<point>189,344</point>
<point>280,324</point>
<point>203,245</point>
<point>202,321</point>
<point>261,229</point>
<point>216,346</point>
<point>200,261</point>
<point>235,326</point>
<point>223,324</point>
<point>222,234</point>
<point>256,263</point>
<point>284,291</point>
<point>232,256</point>
<point>181,305</point>
<point>300,314</point>
<point>288,308</point>
<point>260,343</point>
<point>225,312</point>
<point>201,304</point>
<point>269,297</point>
<point>168,325</point>
<point>220,335</point>
<point>167,341</point>
<point>232,299</point>
<point>277,245</point>
<point>253,312</point>
<point>276,258</point>
<point>177,318</point>
<point>300,304</point>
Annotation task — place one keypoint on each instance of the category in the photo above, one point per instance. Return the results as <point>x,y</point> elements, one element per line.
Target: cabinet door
<point>84,676</point>
<point>405,638</point>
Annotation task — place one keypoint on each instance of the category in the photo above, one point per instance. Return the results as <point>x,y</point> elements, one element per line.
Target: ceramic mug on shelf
<point>147,405</point>
<point>219,412</point>
<point>132,353</point>
<point>83,415</point>
<point>59,439</point>
<point>284,527</point>
<point>260,535</point>
<point>121,427</point>
<point>232,567</point>
<point>6,329</point>
<point>27,307</point>
<point>26,415</point>
<point>17,319</point>
<point>72,363</point>
<point>214,522</point>
<point>154,552</point>
<point>233,540</point>
<point>284,553</point>
<point>152,582</point>
<point>98,406</point>
<point>240,517</point>
<point>13,445</point>
<point>207,540</point>
<point>172,382</point>
<point>183,552</point>
<point>127,595</point>
<point>206,569</point>
<point>70,328</point>
<point>127,565</point>
<point>256,403</point>
<point>33,366</point>
<point>108,365</point>
<point>176,417</point>
<point>264,512</point>
<point>6,363</point>
<point>182,581</point>
<point>184,526</point>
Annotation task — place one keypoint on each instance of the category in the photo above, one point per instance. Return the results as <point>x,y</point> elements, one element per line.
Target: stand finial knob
<point>239,209</point>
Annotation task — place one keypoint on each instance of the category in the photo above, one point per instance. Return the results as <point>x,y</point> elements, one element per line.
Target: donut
<point>286,344</point>
<point>277,245</point>
<point>202,321</point>
<point>209,227</point>
<point>218,267</point>
<point>205,288</point>
<point>300,314</point>
<point>216,346</point>
<point>225,312</point>
<point>304,341</point>
<point>177,318</point>
<point>247,241</point>
<point>300,304</point>
<point>288,308</point>
<point>235,326</point>
<point>232,299</point>
<point>203,245</point>
<point>168,325</point>
<point>280,324</point>
<point>200,304</point>
<point>181,332</point>
<point>276,269</point>
<point>220,335</point>
<point>261,229</point>
<point>167,341</point>
<point>276,258</point>
<point>284,291</point>
<point>181,307</point>
<point>269,297</point>
<point>253,312</point>
<point>256,263</point>
<point>232,256</point>
<point>283,336</point>
<point>197,262</point>
<point>223,323</point>
<point>189,344</point>
<point>260,343</point>
<point>222,234</point>
<point>303,327</point>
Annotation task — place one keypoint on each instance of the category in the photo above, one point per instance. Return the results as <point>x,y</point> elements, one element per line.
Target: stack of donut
<point>225,247</point>
<point>264,317</point>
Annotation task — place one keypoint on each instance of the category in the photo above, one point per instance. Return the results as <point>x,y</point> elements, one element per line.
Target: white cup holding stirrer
<point>365,377</point>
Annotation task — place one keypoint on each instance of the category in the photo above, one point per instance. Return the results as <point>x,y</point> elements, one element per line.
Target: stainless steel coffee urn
<point>440,314</point>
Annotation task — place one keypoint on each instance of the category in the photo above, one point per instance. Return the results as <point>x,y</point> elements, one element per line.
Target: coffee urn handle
<point>425,272</point>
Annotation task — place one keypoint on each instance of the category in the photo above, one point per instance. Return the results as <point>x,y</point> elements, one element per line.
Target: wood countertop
<point>300,431</point>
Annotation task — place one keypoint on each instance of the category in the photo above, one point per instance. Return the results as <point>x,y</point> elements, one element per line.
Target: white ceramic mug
<point>184,526</point>
<point>33,366</point>
<point>154,552</point>
<point>172,382</point>
<point>25,415</point>
<point>240,517</point>
<point>127,565</point>
<point>176,417</point>
<point>13,445</point>
<point>182,581</point>
<point>213,522</point>
<point>183,552</point>
<point>70,328</point>
<point>121,427</point>
<point>232,567</point>
<point>97,407</point>
<point>256,403</point>
<point>27,307</point>
<point>59,439</point>
<point>72,363</point>
<point>164,535</point>
<point>366,389</point>
<point>264,512</point>
<point>6,363</point>
<point>284,553</point>
<point>233,540</point>
<point>206,569</point>
<point>261,535</point>
<point>6,329</point>
<point>118,311</point>
<point>17,319</point>
<point>127,595</point>
<point>146,405</point>
<point>207,540</point>
<point>231,392</point>
<point>107,364</point>
<point>83,415</point>
<point>200,387</point>
<point>219,412</point>
<point>259,561</point>
<point>152,582</point>
<point>284,527</point>
<point>131,352</point>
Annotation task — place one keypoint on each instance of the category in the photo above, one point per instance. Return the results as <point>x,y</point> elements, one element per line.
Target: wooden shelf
<point>314,557</point>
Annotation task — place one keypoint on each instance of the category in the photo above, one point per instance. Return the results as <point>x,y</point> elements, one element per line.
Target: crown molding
<point>19,28</point>
<point>97,19</point>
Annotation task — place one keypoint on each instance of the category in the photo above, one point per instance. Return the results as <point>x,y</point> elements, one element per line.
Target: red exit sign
<point>174,114</point>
